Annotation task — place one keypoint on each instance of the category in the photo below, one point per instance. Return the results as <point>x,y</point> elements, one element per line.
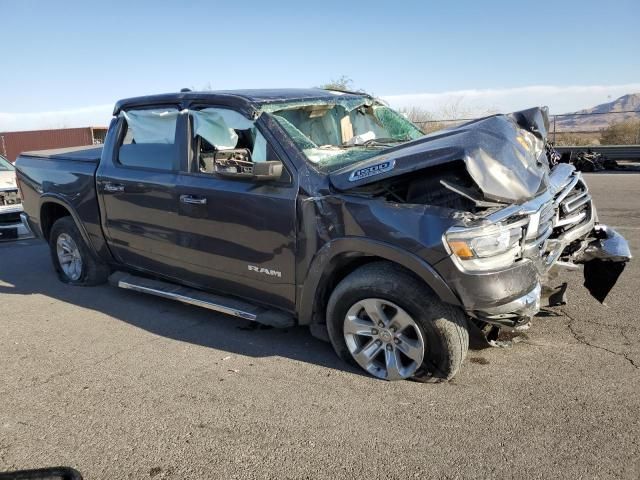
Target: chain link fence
<point>573,129</point>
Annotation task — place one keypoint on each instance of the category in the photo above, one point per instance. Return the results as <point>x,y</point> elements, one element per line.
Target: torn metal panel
<point>608,245</point>
<point>604,261</point>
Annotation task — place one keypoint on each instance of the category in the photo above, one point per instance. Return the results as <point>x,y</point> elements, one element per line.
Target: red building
<point>14,143</point>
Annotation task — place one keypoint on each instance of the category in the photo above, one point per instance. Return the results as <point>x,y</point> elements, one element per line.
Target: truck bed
<point>87,153</point>
<point>65,177</point>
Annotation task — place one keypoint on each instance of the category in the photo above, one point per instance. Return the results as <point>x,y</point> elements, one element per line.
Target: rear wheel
<point>389,323</point>
<point>71,257</point>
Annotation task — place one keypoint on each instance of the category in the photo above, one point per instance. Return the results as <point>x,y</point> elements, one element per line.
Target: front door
<point>238,235</point>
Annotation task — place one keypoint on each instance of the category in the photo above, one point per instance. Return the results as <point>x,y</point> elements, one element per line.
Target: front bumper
<point>562,231</point>
<point>12,230</point>
<point>508,314</point>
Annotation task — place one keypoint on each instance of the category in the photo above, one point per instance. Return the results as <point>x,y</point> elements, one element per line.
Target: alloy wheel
<point>69,256</point>
<point>383,339</point>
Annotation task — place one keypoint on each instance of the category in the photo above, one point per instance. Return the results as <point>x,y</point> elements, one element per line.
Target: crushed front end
<point>515,248</point>
<point>507,210</point>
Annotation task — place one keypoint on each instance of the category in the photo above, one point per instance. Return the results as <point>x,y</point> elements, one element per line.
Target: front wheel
<point>71,257</point>
<point>389,323</point>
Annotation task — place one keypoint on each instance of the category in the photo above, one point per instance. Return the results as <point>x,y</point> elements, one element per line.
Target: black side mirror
<point>258,171</point>
<point>271,170</point>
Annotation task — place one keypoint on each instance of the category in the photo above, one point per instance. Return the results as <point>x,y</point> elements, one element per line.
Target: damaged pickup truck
<point>326,209</point>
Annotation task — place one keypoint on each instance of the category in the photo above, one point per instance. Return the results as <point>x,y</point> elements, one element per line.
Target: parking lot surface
<point>122,385</point>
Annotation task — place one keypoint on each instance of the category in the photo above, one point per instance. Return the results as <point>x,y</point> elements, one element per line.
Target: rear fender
<point>60,200</point>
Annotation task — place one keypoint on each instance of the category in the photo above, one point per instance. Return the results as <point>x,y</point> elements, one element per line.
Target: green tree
<point>343,82</point>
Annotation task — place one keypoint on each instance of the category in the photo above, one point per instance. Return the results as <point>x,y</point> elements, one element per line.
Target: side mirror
<point>270,170</point>
<point>259,171</point>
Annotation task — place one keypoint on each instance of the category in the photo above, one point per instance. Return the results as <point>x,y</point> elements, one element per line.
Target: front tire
<point>71,257</point>
<point>389,323</point>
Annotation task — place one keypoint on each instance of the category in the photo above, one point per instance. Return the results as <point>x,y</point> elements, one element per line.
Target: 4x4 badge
<point>376,169</point>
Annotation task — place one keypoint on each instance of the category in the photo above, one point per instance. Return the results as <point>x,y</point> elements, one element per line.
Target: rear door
<point>137,189</point>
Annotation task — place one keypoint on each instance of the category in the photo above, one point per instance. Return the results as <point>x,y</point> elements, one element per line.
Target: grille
<point>9,218</point>
<point>574,207</point>
<point>546,220</point>
<point>9,197</point>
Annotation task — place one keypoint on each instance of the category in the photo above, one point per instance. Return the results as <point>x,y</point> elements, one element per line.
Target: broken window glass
<point>335,134</point>
<point>149,139</point>
<point>151,126</point>
<point>226,129</point>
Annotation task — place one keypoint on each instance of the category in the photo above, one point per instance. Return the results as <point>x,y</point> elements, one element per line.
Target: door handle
<point>191,200</point>
<point>109,187</point>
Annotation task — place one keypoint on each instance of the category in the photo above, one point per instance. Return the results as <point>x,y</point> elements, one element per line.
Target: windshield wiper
<point>384,141</point>
<point>375,142</point>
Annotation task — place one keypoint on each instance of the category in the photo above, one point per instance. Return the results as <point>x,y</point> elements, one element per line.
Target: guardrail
<point>613,152</point>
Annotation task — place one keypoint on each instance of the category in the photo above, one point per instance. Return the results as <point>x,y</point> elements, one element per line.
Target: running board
<point>217,303</point>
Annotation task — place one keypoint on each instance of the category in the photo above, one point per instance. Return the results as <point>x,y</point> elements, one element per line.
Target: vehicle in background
<point>11,225</point>
<point>326,209</point>
<point>588,161</point>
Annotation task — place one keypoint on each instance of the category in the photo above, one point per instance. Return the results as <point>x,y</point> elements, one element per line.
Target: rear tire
<point>73,261</point>
<point>410,333</point>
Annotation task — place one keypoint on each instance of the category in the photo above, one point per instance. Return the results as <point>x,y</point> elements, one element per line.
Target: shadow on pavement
<point>25,269</point>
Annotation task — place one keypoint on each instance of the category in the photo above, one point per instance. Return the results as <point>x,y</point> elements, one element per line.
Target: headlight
<point>485,248</point>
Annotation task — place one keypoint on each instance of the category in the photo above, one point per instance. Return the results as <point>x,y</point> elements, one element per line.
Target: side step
<point>217,303</point>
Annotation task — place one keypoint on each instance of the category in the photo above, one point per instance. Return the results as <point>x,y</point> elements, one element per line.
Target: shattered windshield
<point>332,136</point>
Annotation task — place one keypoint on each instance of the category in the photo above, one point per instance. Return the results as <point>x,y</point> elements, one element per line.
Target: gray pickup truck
<point>326,209</point>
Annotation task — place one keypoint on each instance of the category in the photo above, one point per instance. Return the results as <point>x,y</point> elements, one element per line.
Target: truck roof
<point>247,101</point>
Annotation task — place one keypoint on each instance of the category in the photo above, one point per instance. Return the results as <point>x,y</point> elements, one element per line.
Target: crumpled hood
<point>7,180</point>
<point>504,154</point>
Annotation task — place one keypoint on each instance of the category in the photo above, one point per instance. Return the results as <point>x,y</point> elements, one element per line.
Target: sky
<point>64,64</point>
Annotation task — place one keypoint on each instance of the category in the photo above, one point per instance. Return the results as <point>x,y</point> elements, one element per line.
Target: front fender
<point>324,264</point>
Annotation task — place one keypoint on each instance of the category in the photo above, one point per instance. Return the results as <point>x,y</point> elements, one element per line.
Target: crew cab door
<point>136,185</point>
<point>238,235</point>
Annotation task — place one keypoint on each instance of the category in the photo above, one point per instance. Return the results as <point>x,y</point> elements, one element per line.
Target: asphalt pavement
<point>121,385</point>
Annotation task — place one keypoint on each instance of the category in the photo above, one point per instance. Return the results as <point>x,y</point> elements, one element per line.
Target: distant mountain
<point>602,115</point>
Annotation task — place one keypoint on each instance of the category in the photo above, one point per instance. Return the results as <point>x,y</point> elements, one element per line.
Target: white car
<point>11,224</point>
